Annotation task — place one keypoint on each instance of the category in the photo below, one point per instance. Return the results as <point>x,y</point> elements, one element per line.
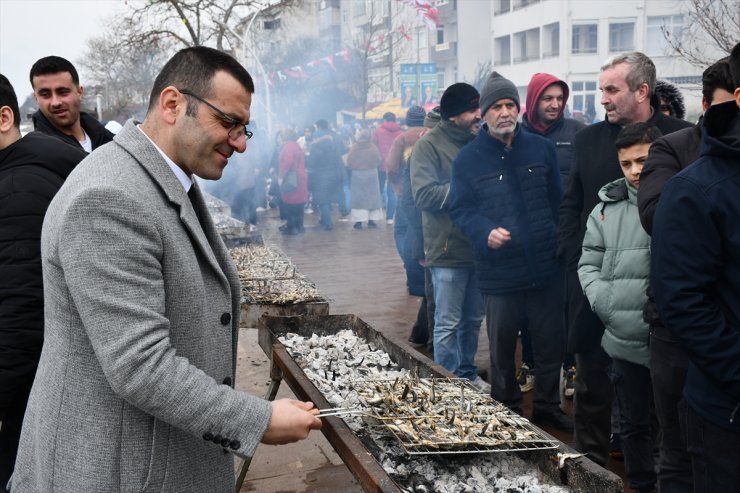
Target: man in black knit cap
<point>459,304</point>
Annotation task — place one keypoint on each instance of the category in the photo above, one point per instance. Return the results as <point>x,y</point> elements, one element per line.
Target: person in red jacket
<point>383,138</point>
<point>294,189</point>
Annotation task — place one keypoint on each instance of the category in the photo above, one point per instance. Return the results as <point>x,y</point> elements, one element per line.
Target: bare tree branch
<point>704,20</point>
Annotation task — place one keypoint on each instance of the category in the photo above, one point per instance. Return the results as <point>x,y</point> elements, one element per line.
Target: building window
<point>271,25</point>
<point>655,43</point>
<point>501,6</point>
<point>502,51</point>
<point>518,4</point>
<point>584,38</point>
<point>527,45</point>
<point>583,98</point>
<point>359,9</point>
<point>621,37</point>
<point>440,34</point>
<point>441,78</point>
<point>551,40</point>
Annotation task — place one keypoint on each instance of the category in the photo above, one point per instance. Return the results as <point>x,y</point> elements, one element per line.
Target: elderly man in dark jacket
<point>32,169</point>
<point>696,279</point>
<point>506,191</point>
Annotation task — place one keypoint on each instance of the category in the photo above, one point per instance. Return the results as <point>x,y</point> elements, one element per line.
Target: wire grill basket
<point>447,415</point>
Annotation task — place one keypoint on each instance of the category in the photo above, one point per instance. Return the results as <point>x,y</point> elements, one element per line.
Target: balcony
<point>445,52</point>
<point>447,9</point>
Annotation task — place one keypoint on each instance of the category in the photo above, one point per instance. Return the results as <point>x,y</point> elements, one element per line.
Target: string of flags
<point>426,11</point>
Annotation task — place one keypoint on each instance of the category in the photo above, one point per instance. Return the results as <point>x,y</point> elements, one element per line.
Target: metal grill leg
<point>270,396</point>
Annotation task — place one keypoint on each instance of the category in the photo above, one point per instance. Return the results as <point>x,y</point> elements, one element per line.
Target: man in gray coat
<point>134,390</point>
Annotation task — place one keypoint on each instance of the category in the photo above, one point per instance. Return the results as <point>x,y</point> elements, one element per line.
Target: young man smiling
<point>57,90</point>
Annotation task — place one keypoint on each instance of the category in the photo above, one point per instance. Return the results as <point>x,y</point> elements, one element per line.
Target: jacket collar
<point>133,141</point>
<point>457,134</point>
<point>98,134</point>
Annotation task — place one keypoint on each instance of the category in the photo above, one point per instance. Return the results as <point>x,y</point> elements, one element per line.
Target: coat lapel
<point>204,238</point>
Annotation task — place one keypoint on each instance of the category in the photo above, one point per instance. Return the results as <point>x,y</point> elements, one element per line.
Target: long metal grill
<point>268,276</point>
<point>444,416</point>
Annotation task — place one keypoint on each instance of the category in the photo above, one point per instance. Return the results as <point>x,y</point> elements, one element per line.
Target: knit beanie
<point>432,118</point>
<point>495,88</point>
<point>415,116</point>
<point>458,98</point>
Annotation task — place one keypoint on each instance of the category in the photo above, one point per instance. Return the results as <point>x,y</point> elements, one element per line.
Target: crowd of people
<point>609,249</point>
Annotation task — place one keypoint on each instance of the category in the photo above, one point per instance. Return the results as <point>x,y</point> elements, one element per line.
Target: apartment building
<point>572,39</point>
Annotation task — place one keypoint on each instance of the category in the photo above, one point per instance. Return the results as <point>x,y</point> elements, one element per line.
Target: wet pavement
<point>359,270</point>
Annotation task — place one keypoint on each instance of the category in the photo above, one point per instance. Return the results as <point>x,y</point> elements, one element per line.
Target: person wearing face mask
<point>505,195</point>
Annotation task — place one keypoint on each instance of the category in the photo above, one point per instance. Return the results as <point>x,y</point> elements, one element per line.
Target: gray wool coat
<point>134,387</point>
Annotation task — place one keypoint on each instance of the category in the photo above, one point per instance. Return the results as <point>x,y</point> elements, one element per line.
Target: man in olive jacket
<point>459,305</point>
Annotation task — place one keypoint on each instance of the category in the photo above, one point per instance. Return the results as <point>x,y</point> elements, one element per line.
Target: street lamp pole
<point>261,68</point>
<point>247,48</point>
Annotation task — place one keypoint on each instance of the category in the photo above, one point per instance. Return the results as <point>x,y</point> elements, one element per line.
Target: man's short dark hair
<point>637,133</point>
<point>322,124</point>
<point>193,69</point>
<point>735,66</point>
<point>389,116</point>
<point>8,98</point>
<point>53,65</point>
<point>716,76</point>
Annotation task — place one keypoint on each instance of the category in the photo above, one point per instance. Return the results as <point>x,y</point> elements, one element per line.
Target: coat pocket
<point>158,452</point>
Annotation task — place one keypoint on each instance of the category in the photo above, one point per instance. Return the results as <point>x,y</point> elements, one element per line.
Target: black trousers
<point>668,366</point>
<point>633,391</point>
<point>592,403</point>
<point>10,434</point>
<point>539,310</point>
<point>715,454</point>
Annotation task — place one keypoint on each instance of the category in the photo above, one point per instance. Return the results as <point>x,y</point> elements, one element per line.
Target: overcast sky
<point>31,29</point>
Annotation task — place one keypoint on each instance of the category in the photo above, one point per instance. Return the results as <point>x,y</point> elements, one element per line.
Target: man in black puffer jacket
<point>668,361</point>
<point>32,169</point>
<point>696,278</point>
<point>57,89</point>
<point>627,83</point>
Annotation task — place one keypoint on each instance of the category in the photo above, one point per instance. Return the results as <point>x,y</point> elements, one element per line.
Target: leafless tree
<point>376,45</point>
<point>120,70</point>
<point>717,21</point>
<point>482,71</point>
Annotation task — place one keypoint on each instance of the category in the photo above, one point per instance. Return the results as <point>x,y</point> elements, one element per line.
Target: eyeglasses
<point>237,128</point>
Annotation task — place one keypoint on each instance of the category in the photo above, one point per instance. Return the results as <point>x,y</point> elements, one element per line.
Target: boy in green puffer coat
<point>613,270</point>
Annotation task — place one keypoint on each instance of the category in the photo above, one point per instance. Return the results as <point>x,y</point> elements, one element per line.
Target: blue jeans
<point>325,212</point>
<point>457,318</point>
<point>390,202</point>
